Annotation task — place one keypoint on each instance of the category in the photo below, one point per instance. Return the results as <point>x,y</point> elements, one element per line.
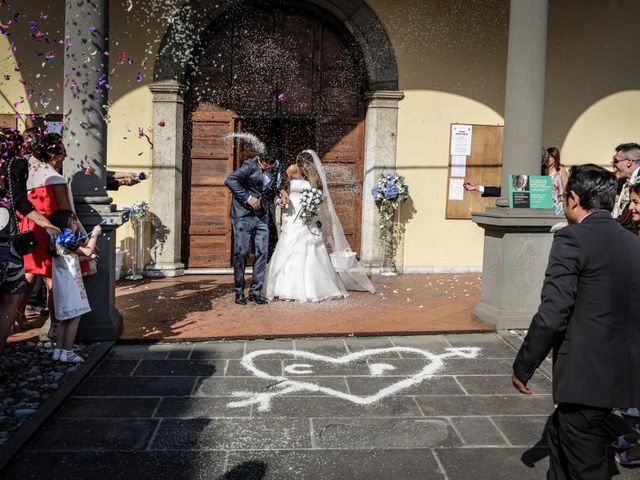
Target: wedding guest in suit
<point>250,218</point>
<point>591,328</point>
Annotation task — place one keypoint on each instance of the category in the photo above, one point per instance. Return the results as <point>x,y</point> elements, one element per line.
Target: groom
<point>250,217</point>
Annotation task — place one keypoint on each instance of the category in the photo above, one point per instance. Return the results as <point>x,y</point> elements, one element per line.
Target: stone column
<point>525,89</point>
<point>380,131</point>
<point>166,178</point>
<point>85,137</point>
<point>517,241</point>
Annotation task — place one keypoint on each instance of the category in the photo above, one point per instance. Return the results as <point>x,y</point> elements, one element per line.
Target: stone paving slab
<point>119,407</point>
<point>472,405</point>
<point>440,385</point>
<point>184,368</point>
<point>500,384</point>
<point>398,464</point>
<point>182,465</point>
<point>137,387</point>
<point>232,434</point>
<point>94,434</point>
<point>187,407</point>
<point>226,386</point>
<point>361,433</point>
<point>170,408</point>
<point>320,407</point>
<point>479,431</point>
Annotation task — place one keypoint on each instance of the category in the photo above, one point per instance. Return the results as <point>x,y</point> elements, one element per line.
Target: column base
<point>164,270</point>
<point>516,251</point>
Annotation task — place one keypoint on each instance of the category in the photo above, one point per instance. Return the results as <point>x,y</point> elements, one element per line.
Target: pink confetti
<point>161,123</point>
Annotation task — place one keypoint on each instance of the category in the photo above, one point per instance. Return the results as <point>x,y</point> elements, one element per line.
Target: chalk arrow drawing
<point>286,385</point>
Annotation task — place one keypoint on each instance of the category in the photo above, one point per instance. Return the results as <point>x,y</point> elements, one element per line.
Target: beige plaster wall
<point>593,93</point>
<point>452,62</point>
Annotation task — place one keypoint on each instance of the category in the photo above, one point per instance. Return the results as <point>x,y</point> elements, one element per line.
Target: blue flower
<point>375,191</point>
<point>67,239</point>
<point>392,192</point>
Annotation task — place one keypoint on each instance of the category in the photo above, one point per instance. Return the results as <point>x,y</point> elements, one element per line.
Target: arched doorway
<point>295,79</point>
<point>170,185</point>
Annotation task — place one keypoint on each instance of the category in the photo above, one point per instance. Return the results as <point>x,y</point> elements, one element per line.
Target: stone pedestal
<point>516,251</point>
<point>381,132</point>
<point>104,322</point>
<point>166,180</point>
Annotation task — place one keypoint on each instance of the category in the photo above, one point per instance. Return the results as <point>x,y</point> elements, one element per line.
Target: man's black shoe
<point>258,299</point>
<point>241,300</point>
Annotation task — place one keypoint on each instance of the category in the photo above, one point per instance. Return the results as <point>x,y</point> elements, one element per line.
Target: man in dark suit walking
<point>588,316</point>
<point>249,215</point>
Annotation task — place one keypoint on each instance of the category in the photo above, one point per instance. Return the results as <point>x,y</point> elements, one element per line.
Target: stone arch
<point>357,17</point>
<point>172,68</point>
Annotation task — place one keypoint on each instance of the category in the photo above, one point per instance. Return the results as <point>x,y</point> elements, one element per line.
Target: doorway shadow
<point>160,312</point>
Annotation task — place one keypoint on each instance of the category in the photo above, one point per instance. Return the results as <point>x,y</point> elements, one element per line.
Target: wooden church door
<point>301,86</point>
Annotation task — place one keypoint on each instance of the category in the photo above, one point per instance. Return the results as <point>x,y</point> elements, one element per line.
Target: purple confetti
<point>139,77</point>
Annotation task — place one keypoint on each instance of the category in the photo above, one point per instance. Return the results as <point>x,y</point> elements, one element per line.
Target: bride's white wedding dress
<point>300,268</point>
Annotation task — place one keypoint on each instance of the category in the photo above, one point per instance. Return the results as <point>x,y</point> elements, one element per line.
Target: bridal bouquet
<point>138,211</point>
<point>389,192</point>
<point>310,203</point>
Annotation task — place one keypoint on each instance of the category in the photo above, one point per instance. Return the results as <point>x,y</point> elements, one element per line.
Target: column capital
<point>167,86</point>
<point>383,98</point>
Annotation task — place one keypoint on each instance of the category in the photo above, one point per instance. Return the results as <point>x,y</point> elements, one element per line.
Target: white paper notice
<point>456,189</point>
<point>461,139</point>
<point>458,165</point>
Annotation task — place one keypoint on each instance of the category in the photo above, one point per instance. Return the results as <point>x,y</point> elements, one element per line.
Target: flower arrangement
<point>389,192</point>
<point>138,211</point>
<point>310,203</point>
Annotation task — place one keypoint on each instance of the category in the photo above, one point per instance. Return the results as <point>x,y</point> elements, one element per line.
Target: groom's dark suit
<point>589,318</point>
<point>249,223</point>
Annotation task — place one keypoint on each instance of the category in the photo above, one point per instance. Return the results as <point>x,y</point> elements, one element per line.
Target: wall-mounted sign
<point>530,191</point>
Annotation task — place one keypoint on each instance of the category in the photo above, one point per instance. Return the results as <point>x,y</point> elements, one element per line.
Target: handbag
<point>23,242</point>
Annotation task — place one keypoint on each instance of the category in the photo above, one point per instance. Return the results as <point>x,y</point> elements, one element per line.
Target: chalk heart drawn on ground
<point>294,380</point>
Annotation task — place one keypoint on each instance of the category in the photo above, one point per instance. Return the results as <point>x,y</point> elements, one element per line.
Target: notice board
<point>475,155</point>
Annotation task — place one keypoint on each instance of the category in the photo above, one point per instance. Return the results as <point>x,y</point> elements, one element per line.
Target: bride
<point>301,268</point>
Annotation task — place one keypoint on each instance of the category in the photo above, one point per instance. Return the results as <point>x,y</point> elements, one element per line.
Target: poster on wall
<point>530,191</point>
<point>461,139</point>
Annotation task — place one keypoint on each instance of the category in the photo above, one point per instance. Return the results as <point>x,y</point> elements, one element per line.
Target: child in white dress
<point>69,296</point>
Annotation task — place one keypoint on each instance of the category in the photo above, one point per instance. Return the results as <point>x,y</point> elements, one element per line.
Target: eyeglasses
<point>615,161</point>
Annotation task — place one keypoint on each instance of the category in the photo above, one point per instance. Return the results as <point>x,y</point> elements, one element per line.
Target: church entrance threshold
<point>201,307</point>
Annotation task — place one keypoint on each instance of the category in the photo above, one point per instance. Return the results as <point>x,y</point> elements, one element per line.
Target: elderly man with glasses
<point>625,165</point>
